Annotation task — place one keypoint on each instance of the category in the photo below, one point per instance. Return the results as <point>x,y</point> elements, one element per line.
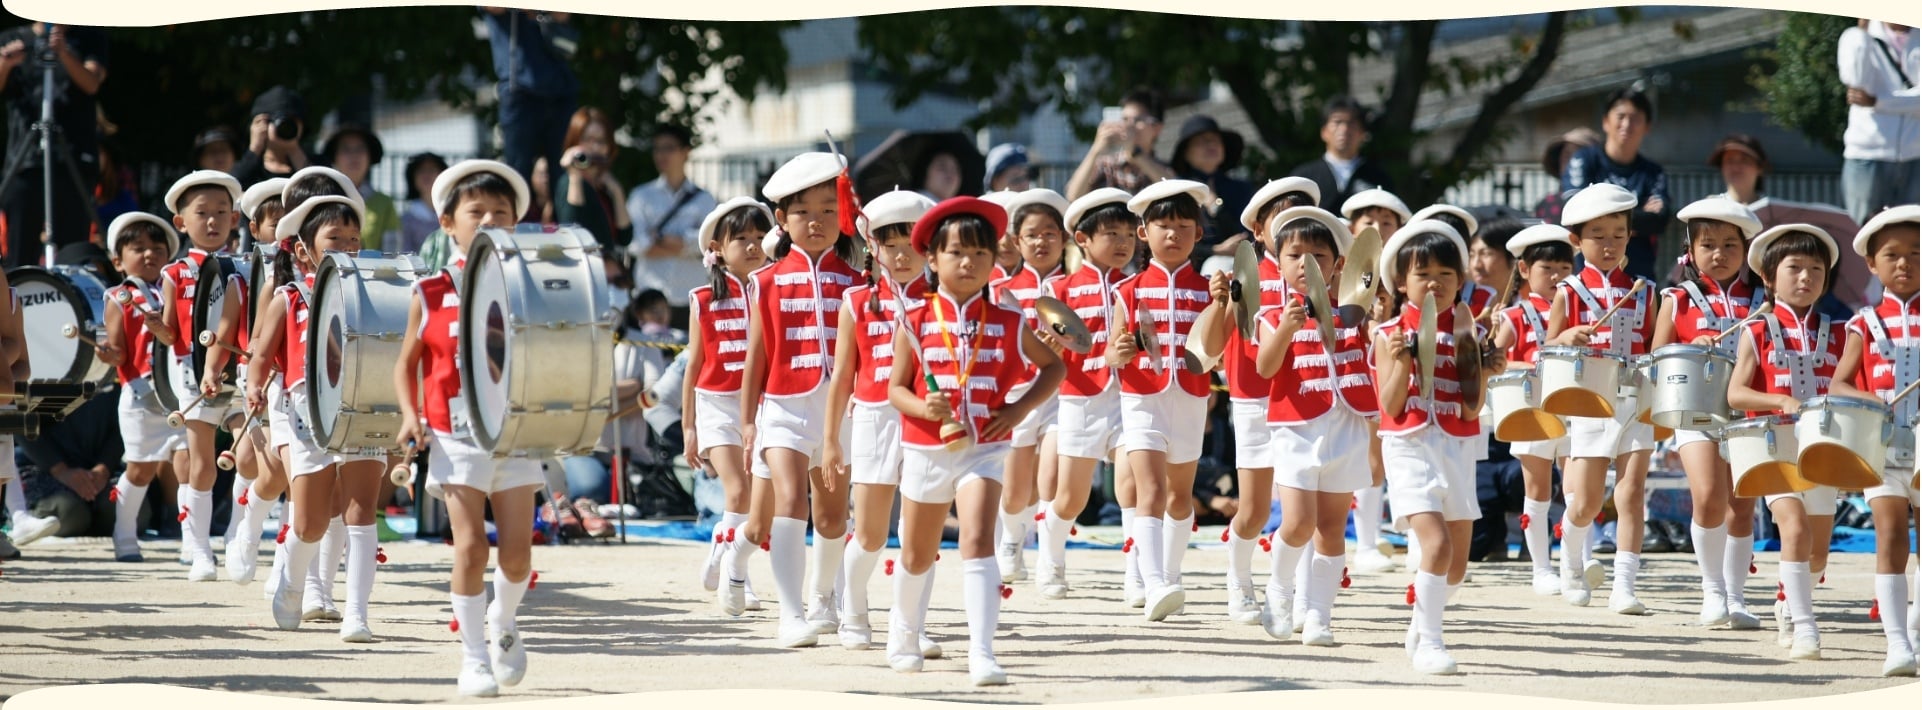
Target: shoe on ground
<point>508,652</point>
<point>205,568</point>
<point>1243,608</point>
<point>1372,561</point>
<point>123,551</point>
<point>732,598</point>
<point>822,614</point>
<point>356,631</point>
<point>242,560</point>
<point>986,672</point>
<point>28,528</point>
<point>855,636</point>
<point>1784,631</point>
<point>929,649</point>
<point>1714,612</point>
<point>1317,633</point>
<point>1594,573</point>
<point>286,604</point>
<point>1626,604</point>
<point>1740,618</point>
<point>1900,664</point>
<point>1164,602</point>
<point>1547,583</point>
<point>1434,661</point>
<point>1805,648</point>
<point>1278,617</point>
<point>477,681</point>
<point>798,634</point>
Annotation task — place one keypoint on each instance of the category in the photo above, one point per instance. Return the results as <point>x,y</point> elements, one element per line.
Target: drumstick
<point>403,474</point>
<point>125,298</point>
<point>176,419</point>
<point>207,341</point>
<point>1904,394</point>
<point>1752,315</point>
<point>227,459</point>
<point>72,332</point>
<point>1632,290</point>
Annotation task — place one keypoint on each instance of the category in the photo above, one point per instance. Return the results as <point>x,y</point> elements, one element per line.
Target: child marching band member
<point>1479,296</point>
<point>319,225</point>
<point>717,353</point>
<point>1007,255</point>
<point>864,347</point>
<point>471,196</point>
<point>261,206</point>
<point>1715,295</point>
<point>1545,255</point>
<point>140,244</point>
<point>1386,213</point>
<point>972,351</point>
<point>1164,409</point>
<point>1788,356</point>
<point>1431,480</point>
<point>1321,400</point>
<point>1249,394</point>
<point>1036,222</point>
<point>203,207</point>
<point>1599,217</point>
<point>784,391</point>
<point>1089,424</point>
<point>1883,356</point>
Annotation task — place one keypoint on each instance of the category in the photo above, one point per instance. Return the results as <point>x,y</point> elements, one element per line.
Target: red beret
<point>923,233</point>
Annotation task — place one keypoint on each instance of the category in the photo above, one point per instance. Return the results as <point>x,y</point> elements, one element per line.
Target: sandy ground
<point>617,619</point>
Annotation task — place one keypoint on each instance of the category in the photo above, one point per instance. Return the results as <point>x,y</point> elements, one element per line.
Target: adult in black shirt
<point>80,66</point>
<point>73,466</point>
<point>1341,171</point>
<point>1205,153</point>
<point>268,155</point>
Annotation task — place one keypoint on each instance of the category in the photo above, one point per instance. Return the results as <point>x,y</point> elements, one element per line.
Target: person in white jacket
<point>1879,62</point>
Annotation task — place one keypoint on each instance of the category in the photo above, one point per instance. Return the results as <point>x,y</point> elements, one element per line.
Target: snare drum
<point>50,301</point>
<point>1843,441</point>
<point>536,341</point>
<point>1515,400</point>
<point>1578,382</point>
<point>1761,454</point>
<point>210,298</point>
<point>354,329</point>
<point>1690,387</point>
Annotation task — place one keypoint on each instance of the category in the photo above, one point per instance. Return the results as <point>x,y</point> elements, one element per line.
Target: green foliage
<point>1798,80</point>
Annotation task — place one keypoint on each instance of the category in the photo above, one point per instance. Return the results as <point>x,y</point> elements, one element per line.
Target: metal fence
<point>1521,186</point>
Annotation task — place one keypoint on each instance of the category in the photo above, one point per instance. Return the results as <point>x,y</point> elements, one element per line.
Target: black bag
<point>658,493</point>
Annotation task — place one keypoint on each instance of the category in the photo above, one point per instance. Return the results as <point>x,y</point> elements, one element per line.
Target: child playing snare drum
<point>1545,255</point>
<point>140,244</point>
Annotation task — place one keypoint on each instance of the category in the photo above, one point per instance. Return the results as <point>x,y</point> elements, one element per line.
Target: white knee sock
<point>1241,557</point>
<point>1535,531</point>
<point>1574,546</point>
<point>1054,533</point>
<point>184,500</point>
<point>1324,582</point>
<point>333,546</point>
<point>788,553</point>
<point>126,509</point>
<point>236,510</point>
<point>300,558</point>
<point>1431,599</point>
<point>1150,553</point>
<point>1283,570</point>
<point>728,521</point>
<point>1131,558</point>
<point>258,506</point>
<point>1737,557</point>
<point>1627,565</point>
<point>363,542</point>
<point>507,600</point>
<point>1176,533</point>
<point>1711,544</point>
<point>981,592</point>
<point>825,564</point>
<point>17,494</point>
<point>1011,530</point>
<point>740,550</point>
<point>202,521</point>
<point>1799,588</point>
<point>858,567</point>
<point>907,618</point>
<point>470,611</point>
<point>1892,598</point>
<point>1367,517</point>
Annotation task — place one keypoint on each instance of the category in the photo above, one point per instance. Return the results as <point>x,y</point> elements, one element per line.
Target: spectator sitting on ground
<point>69,471</point>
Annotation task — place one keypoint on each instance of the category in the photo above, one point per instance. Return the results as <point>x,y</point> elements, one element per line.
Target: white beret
<point>1375,197</point>
<point>198,178</point>
<point>1597,200</point>
<point>1165,189</point>
<point>290,225</point>
<point>1887,218</point>
<point>347,187</point>
<point>261,192</point>
<point>1385,267</point>
<point>1459,213</point>
<point>1722,209</point>
<point>1539,234</point>
<point>128,219</point>
<point>712,222</point>
<point>897,207</point>
<point>444,185</point>
<point>1251,214</point>
<point>1092,201</point>
<point>1343,238</point>
<point>802,172</point>
<point>1036,196</point>
<point>1762,241</point>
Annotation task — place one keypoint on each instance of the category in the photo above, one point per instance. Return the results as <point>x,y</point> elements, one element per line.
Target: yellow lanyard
<point>947,340</point>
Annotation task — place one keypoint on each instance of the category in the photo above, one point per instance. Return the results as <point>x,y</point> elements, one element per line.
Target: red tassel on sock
<point>766,545</point>
<point>243,494</point>
<point>1345,581</point>
<point>533,579</point>
<point>937,557</point>
<point>1196,527</point>
<point>1751,565</point>
<point>1524,521</point>
<point>1224,536</point>
<point>848,539</point>
<point>380,555</point>
<point>730,534</point>
<point>1354,504</point>
<point>1558,531</point>
<point>1074,530</point>
<point>717,538</point>
<point>1038,517</point>
<point>1781,595</point>
<point>280,538</point>
<point>1411,595</point>
<point>1006,591</point>
<point>1267,546</point>
<point>888,568</point>
<point>454,625</point>
<point>1127,546</point>
<point>183,515</point>
<point>1875,610</point>
<point>1824,579</point>
<point>113,494</point>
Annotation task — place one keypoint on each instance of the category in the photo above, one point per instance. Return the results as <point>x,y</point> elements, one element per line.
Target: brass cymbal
<point>1058,318</point>
<point>1318,304</point>
<point>1358,279</point>
<point>1425,341</point>
<point>1246,290</point>
<point>1150,342</point>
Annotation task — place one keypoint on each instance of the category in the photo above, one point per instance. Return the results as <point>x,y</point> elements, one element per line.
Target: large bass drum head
<point>162,360</point>
<point>48,304</point>
<point>327,344</point>
<point>484,341</point>
<point>260,269</point>
<point>210,294</point>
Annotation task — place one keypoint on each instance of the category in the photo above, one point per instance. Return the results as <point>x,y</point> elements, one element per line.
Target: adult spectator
<point>667,213</point>
<point>417,218</point>
<point>639,364</point>
<point>1619,161</point>
<point>1204,153</point>
<point>1123,154</point>
<point>115,195</point>
<point>1744,164</point>
<point>537,89</point>
<point>1880,63</point>
<point>1008,168</point>
<point>940,177</point>
<point>1342,171</point>
<point>216,148</point>
<point>587,194</point>
<point>354,150</point>
<point>1555,159</point>
<point>73,466</point>
<point>80,65</point>
<point>273,137</point>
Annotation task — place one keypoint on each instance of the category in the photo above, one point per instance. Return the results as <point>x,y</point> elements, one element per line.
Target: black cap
<point>212,136</point>
<point>280,99</point>
<point>374,150</point>
<point>1231,143</point>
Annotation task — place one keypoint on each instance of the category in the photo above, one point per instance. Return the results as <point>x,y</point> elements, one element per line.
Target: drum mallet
<point>72,332</point>
<point>1750,318</point>
<point>179,419</point>
<point>227,459</point>
<point>1632,291</point>
<point>207,340</point>
<point>125,298</point>
<point>403,474</point>
<point>1904,394</point>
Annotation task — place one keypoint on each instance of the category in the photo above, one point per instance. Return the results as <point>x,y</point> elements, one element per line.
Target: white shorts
<point>717,420</point>
<point>794,423</point>
<point>934,475</point>
<point>1427,474</point>
<point>304,455</point>
<point>1895,484</point>
<point>1089,427</point>
<point>1817,501</point>
<point>1252,435</point>
<point>458,461</point>
<point>186,390</point>
<point>1551,450</point>
<point>1595,437</point>
<point>1684,437</point>
<point>1476,447</point>
<point>877,461</point>
<point>1171,422</point>
<point>1038,422</point>
<point>1328,455</point>
<point>143,433</point>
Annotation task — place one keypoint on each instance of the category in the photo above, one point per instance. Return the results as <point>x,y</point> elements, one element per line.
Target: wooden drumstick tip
<point>402,476</point>
<point>176,419</point>
<point>225,461</point>
<point>206,338</point>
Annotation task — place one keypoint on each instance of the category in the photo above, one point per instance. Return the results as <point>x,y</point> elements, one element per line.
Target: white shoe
<point>749,601</point>
<point>1547,583</point>
<point>28,527</point>
<point>477,681</point>
<point>904,663</point>
<point>711,570</point>
<point>286,603</point>
<point>205,568</point>
<point>242,560</point>
<point>1740,618</point>
<point>822,614</point>
<point>985,671</point>
<point>1243,608</point>
<point>1594,573</point>
<point>1372,561</point>
<point>1316,633</point>
<point>929,649</point>
<point>798,634</point>
<point>732,598</point>
<point>1412,641</point>
<point>1624,602</point>
<point>1805,648</point>
<point>1900,664</point>
<point>1278,617</point>
<point>855,636</point>
<point>1714,612</point>
<point>356,631</point>
<point>1009,559</point>
<point>1132,592</point>
<point>1164,602</point>
<point>1053,583</point>
<point>1434,661</point>
<point>508,651</point>
<point>1784,631</point>
<point>319,609</point>
<point>1574,589</point>
<point>1300,610</point>
<point>127,550</point>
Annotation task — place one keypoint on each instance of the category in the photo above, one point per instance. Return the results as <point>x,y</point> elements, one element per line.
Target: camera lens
<point>286,127</point>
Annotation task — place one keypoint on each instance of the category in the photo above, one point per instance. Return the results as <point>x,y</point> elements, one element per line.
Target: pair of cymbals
<point>1358,279</point>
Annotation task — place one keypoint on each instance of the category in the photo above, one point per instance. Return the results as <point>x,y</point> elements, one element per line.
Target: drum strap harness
<point>1802,363</point>
<point>457,407</point>
<point>1618,343</point>
<point>1710,317</point>
<point>1534,319</point>
<point>1904,359</point>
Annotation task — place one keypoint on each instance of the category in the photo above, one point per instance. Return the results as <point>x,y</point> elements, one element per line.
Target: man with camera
<point>273,139</point>
<point>78,56</point>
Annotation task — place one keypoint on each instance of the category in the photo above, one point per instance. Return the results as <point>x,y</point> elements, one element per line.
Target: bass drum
<point>354,329</point>
<point>51,300</point>
<point>259,270</point>
<point>536,341</point>
<point>210,297</point>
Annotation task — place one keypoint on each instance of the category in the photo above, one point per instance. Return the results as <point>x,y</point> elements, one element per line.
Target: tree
<point>1015,60</point>
<point>1798,80</point>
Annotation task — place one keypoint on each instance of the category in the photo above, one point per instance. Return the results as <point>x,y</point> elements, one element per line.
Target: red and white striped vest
<point>1174,298</point>
<point>1590,293</point>
<point>722,323</point>
<point>1891,350</point>
<point>291,358</point>
<point>1530,321</point>
<point>1710,311</point>
<point>1795,356</point>
<point>1025,286</point>
<point>137,361</point>
<point>1479,297</point>
<point>1304,389</point>
<point>1090,292</point>
<point>798,300</point>
<point>1446,409</point>
<point>984,334</point>
<point>1238,360</point>
<point>874,333</point>
<point>184,272</point>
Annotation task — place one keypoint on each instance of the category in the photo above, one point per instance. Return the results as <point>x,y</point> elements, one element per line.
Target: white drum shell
<point>1690,387</point>
<point>1857,425</point>
<point>50,299</point>
<point>354,330</point>
<point>1566,368</point>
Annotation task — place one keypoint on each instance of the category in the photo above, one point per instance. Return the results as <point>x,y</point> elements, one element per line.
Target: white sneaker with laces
<point>1243,608</point>
<point>1053,582</point>
<point>1278,617</point>
<point>823,614</point>
<point>509,655</point>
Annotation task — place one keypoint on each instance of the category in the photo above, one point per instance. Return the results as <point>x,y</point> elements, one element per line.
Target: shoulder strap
<point>1701,301</point>
<point>1879,331</point>
<point>676,209</point>
<point>1889,54</point>
<point>1588,297</point>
